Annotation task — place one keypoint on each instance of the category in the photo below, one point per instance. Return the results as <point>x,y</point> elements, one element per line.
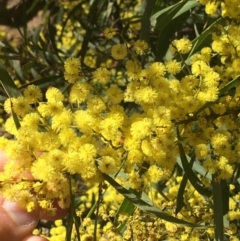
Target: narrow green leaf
<point>35,37</point>
<point>158,6</point>
<point>181,190</point>
<point>161,19</point>
<point>16,120</point>
<point>34,4</point>
<point>92,19</point>
<point>233,83</point>
<point>180,197</point>
<point>7,48</point>
<point>9,57</point>
<point>44,51</point>
<point>7,82</point>
<point>197,184</point>
<point>208,104</point>
<point>109,10</point>
<point>72,216</point>
<point>137,201</point>
<point>29,65</point>
<point>167,21</point>
<point>199,169</point>
<point>126,208</point>
<point>217,209</point>
<point>158,188</point>
<point>145,23</point>
<point>204,38</point>
<point>25,25</point>
<point>225,196</point>
<point>168,33</point>
<point>69,225</point>
<point>52,35</point>
<point>44,80</point>
<point>97,212</point>
<point>16,64</point>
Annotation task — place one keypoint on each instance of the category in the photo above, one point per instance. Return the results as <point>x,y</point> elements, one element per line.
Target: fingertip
<point>15,223</point>
<point>35,238</point>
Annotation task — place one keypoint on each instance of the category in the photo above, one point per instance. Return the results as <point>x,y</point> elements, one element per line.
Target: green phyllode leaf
<point>161,19</point>
<point>137,201</point>
<point>197,184</point>
<point>7,83</point>
<point>127,208</point>
<point>204,39</point>
<point>217,209</point>
<point>180,195</point>
<point>167,21</point>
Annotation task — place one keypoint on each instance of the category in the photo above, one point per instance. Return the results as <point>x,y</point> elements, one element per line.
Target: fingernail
<point>19,215</point>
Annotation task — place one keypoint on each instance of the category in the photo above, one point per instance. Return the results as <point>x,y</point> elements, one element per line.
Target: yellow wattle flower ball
<point>119,51</point>
<point>72,66</point>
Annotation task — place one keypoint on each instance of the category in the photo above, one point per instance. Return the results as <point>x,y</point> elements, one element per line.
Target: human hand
<point>17,224</point>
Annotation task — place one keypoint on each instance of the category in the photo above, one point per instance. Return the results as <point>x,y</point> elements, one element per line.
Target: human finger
<point>34,238</point>
<point>16,223</point>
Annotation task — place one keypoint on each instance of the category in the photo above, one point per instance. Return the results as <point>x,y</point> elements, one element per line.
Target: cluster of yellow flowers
<point>130,131</point>
<point>229,8</point>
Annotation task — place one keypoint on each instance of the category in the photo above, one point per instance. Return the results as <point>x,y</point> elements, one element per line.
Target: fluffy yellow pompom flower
<point>147,148</point>
<point>101,75</point>
<point>211,79</point>
<point>32,94</point>
<point>146,95</point>
<point>79,92</point>
<point>109,32</point>
<point>119,51</point>
<point>62,120</point>
<point>135,157</point>
<point>107,165</point>
<point>156,69</point>
<point>199,67</point>
<point>211,8</point>
<point>140,47</point>
<point>45,174</point>
<point>50,109</point>
<point>154,174</point>
<point>212,94</point>
<point>96,105</point>
<point>20,106</point>
<point>10,126</point>
<point>183,45</point>
<point>219,140</point>
<point>115,94</point>
<point>87,152</point>
<point>53,95</point>
<point>71,78</point>
<point>173,67</point>
<point>201,151</point>
<point>109,125</point>
<point>31,120</point>
<point>72,66</point>
<point>7,105</point>
<point>84,121</point>
<point>66,135</point>
<point>142,128</point>
<point>133,68</point>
